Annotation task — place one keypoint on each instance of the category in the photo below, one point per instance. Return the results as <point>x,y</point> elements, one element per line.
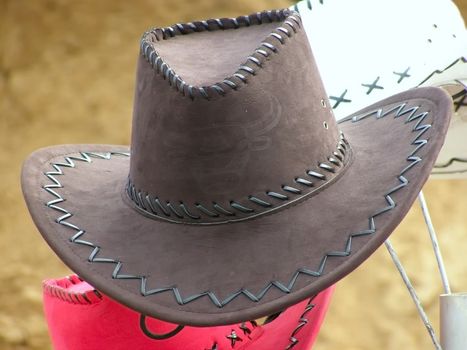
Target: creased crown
<point>231,120</point>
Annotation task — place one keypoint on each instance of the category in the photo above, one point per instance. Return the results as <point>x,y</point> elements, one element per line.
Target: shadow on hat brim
<point>228,273</point>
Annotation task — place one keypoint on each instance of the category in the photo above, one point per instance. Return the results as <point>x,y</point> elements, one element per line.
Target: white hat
<point>357,45</point>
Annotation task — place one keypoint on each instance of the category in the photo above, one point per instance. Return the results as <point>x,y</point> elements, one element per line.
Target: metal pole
<point>434,241</point>
<point>453,321</point>
<point>413,294</point>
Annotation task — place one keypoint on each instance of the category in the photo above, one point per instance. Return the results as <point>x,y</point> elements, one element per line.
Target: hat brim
<point>228,273</point>
<point>452,159</point>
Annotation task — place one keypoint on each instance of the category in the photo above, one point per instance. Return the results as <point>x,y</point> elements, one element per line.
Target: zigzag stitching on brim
<point>77,238</point>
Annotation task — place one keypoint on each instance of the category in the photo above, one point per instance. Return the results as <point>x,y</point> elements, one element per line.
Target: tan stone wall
<point>66,76</point>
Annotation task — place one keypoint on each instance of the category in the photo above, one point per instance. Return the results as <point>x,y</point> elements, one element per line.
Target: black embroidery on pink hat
<point>302,322</point>
<point>234,338</point>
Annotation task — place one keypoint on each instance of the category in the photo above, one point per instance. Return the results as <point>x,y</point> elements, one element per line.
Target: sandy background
<point>67,75</point>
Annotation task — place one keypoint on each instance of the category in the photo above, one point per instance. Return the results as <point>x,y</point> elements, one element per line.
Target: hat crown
<point>221,147</point>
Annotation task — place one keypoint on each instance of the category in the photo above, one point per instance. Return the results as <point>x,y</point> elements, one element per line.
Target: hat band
<point>211,212</point>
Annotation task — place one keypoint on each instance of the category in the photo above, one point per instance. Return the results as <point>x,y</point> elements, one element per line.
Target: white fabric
<point>359,42</point>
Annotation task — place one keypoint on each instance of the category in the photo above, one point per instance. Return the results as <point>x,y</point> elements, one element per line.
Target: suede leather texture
<point>228,148</point>
<point>101,323</point>
<point>182,149</point>
<point>208,57</point>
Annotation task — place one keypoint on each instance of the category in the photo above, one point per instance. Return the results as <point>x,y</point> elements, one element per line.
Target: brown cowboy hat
<point>242,196</point>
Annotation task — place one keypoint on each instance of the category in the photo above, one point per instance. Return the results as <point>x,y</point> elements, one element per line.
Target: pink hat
<point>80,317</point>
